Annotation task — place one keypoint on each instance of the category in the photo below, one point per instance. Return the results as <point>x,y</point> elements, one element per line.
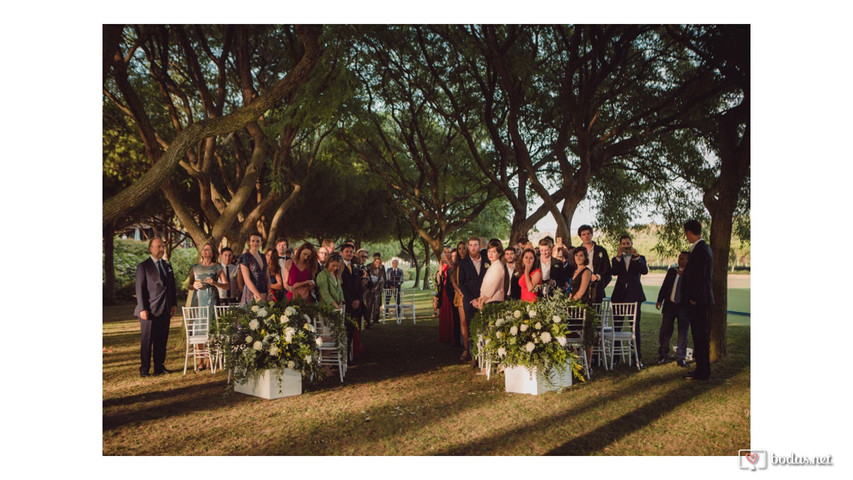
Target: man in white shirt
<point>281,249</point>
<point>226,256</point>
<point>553,273</point>
<point>513,289</point>
<point>669,297</point>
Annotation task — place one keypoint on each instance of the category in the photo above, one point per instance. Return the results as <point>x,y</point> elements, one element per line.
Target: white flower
<point>308,358</point>
<point>513,330</point>
<point>309,327</point>
<point>499,334</point>
<point>283,319</point>
<point>288,334</point>
<point>289,311</point>
<point>273,351</point>
<point>254,308</point>
<point>319,341</point>
<point>523,327</point>
<point>561,341</point>
<point>258,346</point>
<point>532,313</point>
<point>249,339</point>
<point>307,318</point>
<point>546,337</point>
<point>516,314</point>
<point>556,319</point>
<point>488,341</point>
<point>262,312</point>
<point>291,364</point>
<point>253,324</point>
<point>538,326</point>
<point>529,347</point>
<point>501,352</point>
<point>499,322</point>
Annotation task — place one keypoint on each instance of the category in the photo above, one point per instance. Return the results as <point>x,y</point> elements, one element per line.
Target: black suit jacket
<point>514,286</point>
<point>558,273</point>
<point>668,283</point>
<point>153,294</point>
<point>697,276</point>
<point>628,287</point>
<point>469,280</point>
<point>351,284</point>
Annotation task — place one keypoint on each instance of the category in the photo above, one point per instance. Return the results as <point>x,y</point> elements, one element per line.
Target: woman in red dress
<point>446,293</point>
<point>531,277</point>
<point>299,273</point>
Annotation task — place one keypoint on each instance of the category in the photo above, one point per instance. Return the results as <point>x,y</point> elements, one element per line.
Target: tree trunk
<point>109,265</point>
<point>425,285</point>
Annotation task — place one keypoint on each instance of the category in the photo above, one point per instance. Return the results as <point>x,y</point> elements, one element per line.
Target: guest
<point>299,273</point>
<point>554,276</point>
<point>673,308</point>
<point>205,278</point>
<point>471,273</point>
<point>493,288</point>
<point>458,298</point>
<point>329,282</point>
<point>394,275</point>
<point>700,298</point>
<point>281,251</point>
<point>230,294</point>
<point>530,277</point>
<point>351,285</point>
<point>276,292</point>
<point>322,255</point>
<point>580,292</point>
<point>627,266</point>
<point>253,267</point>
<point>373,293</point>
<point>599,264</point>
<point>512,274</point>
<point>156,300</point>
<point>445,297</point>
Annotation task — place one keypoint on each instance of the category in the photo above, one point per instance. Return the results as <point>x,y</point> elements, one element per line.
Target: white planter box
<point>522,380</point>
<point>266,384</point>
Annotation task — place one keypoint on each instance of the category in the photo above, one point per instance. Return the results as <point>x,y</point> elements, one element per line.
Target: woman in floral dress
<point>253,267</point>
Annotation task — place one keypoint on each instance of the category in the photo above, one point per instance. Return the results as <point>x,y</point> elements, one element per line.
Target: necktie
<point>161,270</point>
<point>349,268</point>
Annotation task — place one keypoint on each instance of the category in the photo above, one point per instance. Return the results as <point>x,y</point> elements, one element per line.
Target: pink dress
<point>295,276</point>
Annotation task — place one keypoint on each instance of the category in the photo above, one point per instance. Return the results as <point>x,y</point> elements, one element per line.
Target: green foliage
<point>130,253</point>
<point>269,335</point>
<point>518,333</point>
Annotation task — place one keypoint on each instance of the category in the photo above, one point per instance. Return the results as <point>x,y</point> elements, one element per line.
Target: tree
<point>419,156</point>
<point>196,119</point>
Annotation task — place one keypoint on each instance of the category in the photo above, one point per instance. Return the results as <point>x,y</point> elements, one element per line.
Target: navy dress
<point>258,272</point>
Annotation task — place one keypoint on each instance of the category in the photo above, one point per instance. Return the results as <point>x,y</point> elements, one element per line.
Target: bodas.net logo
<point>752,459</point>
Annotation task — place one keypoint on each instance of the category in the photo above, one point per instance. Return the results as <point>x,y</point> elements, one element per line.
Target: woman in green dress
<point>205,277</point>
<point>329,282</point>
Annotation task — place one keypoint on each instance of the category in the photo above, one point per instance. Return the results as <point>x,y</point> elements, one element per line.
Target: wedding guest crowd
<point>469,278</point>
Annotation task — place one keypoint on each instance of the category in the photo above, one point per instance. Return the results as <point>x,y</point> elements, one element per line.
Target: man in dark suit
<point>697,291</point>
<point>156,300</point>
<point>513,288</point>
<point>395,282</point>
<point>627,266</point>
<point>472,269</point>
<point>554,274</point>
<point>670,296</point>
<point>599,264</point>
<point>351,274</point>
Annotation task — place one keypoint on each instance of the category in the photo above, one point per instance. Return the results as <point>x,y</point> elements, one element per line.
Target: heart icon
<point>752,457</point>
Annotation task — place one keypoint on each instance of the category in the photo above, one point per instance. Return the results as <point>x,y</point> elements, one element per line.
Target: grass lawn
<point>410,395</point>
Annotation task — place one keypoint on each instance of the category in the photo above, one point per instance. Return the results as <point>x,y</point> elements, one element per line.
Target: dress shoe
<point>161,371</point>
<point>662,360</point>
<point>681,363</point>
<point>143,374</point>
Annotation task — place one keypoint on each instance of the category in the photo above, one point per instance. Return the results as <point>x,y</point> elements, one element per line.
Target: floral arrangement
<point>518,333</point>
<point>269,335</point>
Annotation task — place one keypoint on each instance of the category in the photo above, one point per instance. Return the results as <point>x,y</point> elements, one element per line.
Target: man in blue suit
<point>156,300</point>
<point>670,296</point>
<point>627,266</point>
<point>697,292</point>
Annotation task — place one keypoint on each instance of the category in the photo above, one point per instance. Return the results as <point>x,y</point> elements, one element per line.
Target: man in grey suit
<point>156,300</point>
<point>697,292</point>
